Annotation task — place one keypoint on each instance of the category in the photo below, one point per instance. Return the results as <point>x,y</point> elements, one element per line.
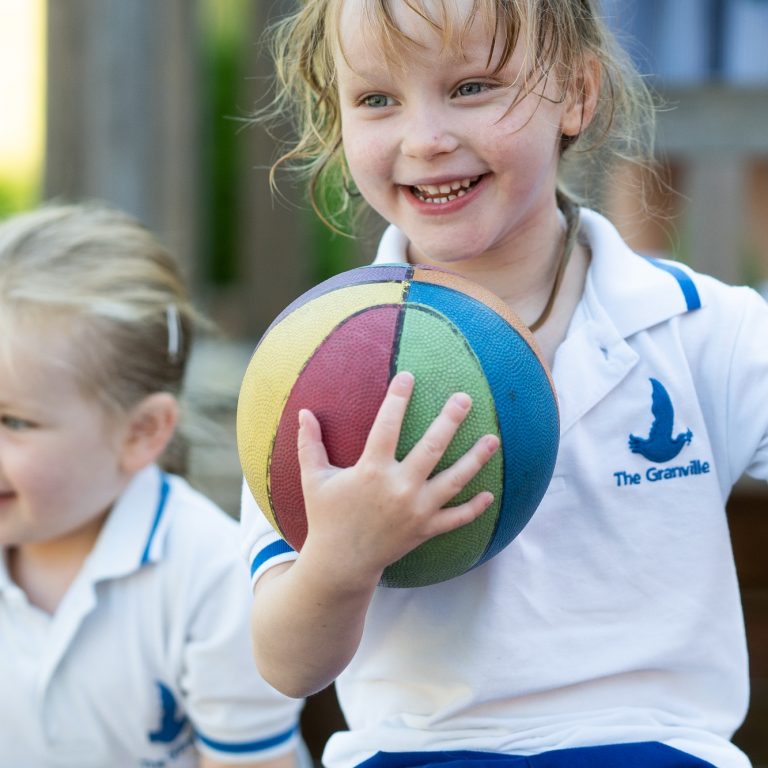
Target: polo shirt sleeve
<point>748,390</point>
<point>236,715</point>
<point>262,547</point>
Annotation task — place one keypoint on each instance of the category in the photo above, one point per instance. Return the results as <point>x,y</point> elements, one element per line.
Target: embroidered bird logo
<point>170,724</point>
<point>660,446</point>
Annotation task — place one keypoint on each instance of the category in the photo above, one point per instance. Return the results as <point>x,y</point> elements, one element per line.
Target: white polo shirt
<point>615,616</point>
<point>148,655</point>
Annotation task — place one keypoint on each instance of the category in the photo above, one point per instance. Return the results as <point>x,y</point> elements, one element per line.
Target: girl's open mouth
<point>437,194</point>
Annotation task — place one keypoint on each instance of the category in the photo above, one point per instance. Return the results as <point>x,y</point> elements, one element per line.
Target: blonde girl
<point>123,637</point>
<point>609,633</point>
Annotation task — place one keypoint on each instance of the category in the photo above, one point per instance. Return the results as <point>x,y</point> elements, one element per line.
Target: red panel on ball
<point>343,384</point>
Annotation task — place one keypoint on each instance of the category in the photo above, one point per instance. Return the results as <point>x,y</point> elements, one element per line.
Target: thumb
<point>312,454</point>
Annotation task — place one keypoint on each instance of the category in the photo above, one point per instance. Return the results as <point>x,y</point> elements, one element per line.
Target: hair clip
<point>174,331</point>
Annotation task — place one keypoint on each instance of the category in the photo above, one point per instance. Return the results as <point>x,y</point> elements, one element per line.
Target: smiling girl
<point>123,636</point>
<point>609,633</point>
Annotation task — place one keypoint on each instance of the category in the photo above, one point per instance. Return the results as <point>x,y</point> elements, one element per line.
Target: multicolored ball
<point>334,351</point>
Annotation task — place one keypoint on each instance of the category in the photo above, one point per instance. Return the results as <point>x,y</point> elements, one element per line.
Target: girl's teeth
<point>444,193</point>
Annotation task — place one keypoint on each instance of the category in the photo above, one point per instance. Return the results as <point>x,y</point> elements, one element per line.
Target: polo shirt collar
<point>635,293</point>
<point>135,531</point>
<point>133,534</point>
<point>6,585</point>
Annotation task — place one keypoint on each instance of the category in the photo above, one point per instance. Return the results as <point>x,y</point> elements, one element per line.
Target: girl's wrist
<point>336,571</point>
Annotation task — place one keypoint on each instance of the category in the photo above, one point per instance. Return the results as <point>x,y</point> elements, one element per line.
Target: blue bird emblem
<point>660,446</point>
<point>170,725</point>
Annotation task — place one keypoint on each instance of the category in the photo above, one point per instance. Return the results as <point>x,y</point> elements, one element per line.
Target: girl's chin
<point>450,258</point>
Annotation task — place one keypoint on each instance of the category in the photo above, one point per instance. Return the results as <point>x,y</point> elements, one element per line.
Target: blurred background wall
<point>144,104</point>
<point>708,60</point>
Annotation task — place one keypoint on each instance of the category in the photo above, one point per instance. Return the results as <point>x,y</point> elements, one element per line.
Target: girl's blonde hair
<point>98,275</point>
<point>560,36</point>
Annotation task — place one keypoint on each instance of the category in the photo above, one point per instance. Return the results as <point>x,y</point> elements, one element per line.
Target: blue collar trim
<point>165,488</point>
<point>687,286</point>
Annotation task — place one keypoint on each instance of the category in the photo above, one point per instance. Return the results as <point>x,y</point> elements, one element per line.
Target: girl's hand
<point>365,517</point>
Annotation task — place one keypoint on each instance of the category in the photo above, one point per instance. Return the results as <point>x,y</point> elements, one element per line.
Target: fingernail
<point>491,443</point>
<point>488,500</point>
<point>302,417</point>
<point>463,400</point>
<point>403,381</point>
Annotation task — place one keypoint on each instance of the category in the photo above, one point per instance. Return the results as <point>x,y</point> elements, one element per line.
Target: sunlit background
<point>22,101</point>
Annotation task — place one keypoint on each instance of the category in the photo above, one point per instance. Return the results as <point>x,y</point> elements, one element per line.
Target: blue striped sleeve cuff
<point>248,747</point>
<point>271,551</point>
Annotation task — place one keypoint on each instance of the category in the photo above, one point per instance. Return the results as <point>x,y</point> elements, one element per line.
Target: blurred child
<point>609,633</point>
<point>123,636</point>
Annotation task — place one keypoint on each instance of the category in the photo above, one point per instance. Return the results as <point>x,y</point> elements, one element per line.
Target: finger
<point>425,455</point>
<point>451,518</point>
<point>454,479</point>
<point>385,431</point>
<point>312,454</point>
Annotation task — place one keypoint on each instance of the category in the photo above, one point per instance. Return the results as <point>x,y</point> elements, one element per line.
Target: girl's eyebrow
<point>360,79</point>
<point>17,404</point>
<point>12,406</point>
<point>357,75</point>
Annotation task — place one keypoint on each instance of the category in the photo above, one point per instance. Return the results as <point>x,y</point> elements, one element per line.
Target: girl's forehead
<point>402,29</point>
<point>38,351</point>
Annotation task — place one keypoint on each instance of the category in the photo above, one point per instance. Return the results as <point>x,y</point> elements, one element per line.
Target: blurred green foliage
<point>331,252</point>
<point>224,26</point>
<point>229,38</point>
<point>16,196</point>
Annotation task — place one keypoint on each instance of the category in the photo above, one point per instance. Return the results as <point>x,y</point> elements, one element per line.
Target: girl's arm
<point>308,615</point>
<point>284,761</point>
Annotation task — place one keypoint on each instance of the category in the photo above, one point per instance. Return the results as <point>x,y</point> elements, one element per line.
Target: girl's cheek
<point>368,166</point>
<point>368,140</point>
<point>39,471</point>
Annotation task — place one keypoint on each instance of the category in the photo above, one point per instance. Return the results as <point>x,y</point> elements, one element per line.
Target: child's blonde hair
<point>98,275</point>
<point>560,36</point>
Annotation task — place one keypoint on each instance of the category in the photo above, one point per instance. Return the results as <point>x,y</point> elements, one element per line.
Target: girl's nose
<point>428,135</point>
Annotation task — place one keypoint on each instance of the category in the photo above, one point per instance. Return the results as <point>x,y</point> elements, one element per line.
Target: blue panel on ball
<point>529,422</point>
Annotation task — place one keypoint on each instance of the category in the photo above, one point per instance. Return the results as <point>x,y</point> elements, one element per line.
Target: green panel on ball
<point>434,350</point>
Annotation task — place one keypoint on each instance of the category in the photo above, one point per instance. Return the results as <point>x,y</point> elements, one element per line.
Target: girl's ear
<point>150,427</point>
<point>581,99</point>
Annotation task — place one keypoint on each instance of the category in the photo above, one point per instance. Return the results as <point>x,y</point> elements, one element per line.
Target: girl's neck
<point>520,270</point>
<point>552,333</point>
<point>45,570</point>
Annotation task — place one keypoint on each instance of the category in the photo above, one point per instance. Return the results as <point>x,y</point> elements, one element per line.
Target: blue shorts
<point>641,755</point>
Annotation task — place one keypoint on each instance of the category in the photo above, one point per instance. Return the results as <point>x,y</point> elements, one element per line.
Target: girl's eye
<point>15,424</point>
<point>377,100</point>
<point>471,89</point>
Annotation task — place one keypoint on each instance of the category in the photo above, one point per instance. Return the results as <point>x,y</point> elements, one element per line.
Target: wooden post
<point>123,117</point>
<point>274,237</point>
